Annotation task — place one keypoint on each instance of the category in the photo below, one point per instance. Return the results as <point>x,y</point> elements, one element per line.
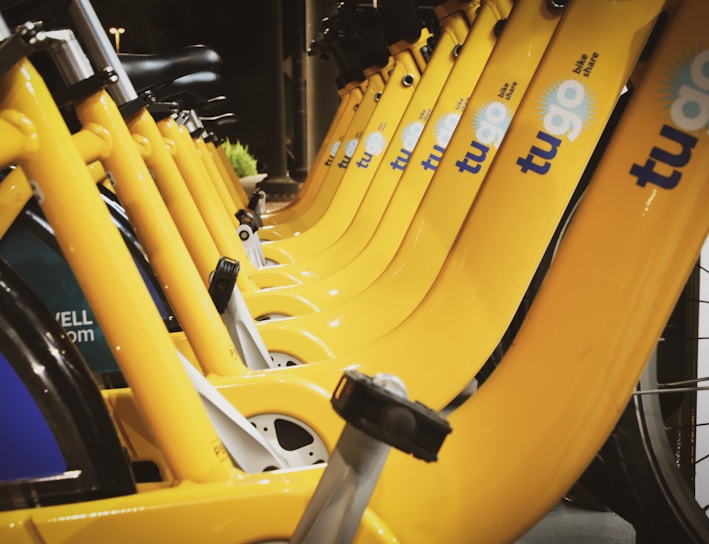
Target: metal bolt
<point>391,383</point>
<point>408,80</point>
<point>556,5</point>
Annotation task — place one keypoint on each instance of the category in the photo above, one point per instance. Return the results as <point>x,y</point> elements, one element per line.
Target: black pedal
<point>222,282</point>
<point>403,424</point>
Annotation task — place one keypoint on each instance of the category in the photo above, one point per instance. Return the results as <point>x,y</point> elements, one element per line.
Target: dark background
<point>241,31</point>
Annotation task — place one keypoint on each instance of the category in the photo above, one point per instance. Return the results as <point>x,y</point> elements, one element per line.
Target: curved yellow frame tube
<point>415,265</point>
<point>405,74</point>
<point>376,233</point>
<point>376,81</point>
<point>351,96</point>
<point>404,93</point>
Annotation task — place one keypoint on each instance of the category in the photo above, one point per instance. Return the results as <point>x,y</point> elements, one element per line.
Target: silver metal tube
<point>193,122</point>
<point>338,503</point>
<point>69,57</point>
<point>99,48</point>
<point>4,29</point>
<point>336,508</point>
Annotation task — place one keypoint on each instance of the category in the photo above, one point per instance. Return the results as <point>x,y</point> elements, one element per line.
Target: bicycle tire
<point>637,472</point>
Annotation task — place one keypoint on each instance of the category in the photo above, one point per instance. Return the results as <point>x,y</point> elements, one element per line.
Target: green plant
<point>243,162</point>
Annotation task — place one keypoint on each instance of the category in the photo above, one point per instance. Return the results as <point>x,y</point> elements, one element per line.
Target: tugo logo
<point>349,151</point>
<point>374,144</point>
<point>333,151</point>
<point>686,93</point>
<point>409,137</point>
<point>444,132</point>
<point>490,123</point>
<point>565,109</point>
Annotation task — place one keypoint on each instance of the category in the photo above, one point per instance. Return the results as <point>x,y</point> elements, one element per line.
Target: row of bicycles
<point>489,286</point>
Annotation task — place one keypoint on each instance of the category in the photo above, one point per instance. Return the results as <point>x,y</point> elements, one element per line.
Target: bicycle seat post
<point>99,49</point>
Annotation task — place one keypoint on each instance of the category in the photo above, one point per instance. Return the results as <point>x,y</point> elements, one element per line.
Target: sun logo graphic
<point>443,130</point>
<point>490,122</point>
<point>350,148</point>
<point>409,138</point>
<point>685,94</point>
<point>566,108</point>
<point>374,145</point>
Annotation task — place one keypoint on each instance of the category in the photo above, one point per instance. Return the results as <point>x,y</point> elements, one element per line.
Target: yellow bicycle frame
<point>120,301</point>
<point>406,279</point>
<point>408,65</point>
<point>173,265</point>
<point>401,97</point>
<point>376,81</point>
<point>174,193</point>
<point>546,410</point>
<point>571,390</point>
<point>363,253</point>
<point>221,231</point>
<point>509,224</point>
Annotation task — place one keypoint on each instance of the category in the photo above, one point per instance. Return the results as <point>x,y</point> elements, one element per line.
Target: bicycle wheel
<point>654,468</point>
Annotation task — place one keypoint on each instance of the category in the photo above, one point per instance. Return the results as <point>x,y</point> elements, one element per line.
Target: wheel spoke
<point>663,390</point>
<point>690,426</point>
<point>683,382</point>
